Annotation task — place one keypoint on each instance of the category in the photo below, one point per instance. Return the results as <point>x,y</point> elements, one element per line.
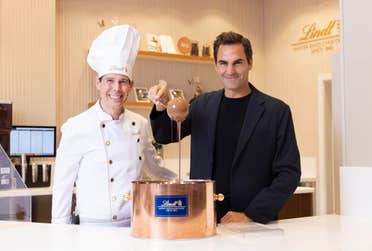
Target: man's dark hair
<point>232,38</point>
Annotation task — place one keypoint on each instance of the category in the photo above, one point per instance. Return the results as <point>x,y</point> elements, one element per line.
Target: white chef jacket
<point>102,156</point>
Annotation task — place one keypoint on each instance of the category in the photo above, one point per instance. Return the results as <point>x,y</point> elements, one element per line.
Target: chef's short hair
<point>100,79</point>
<point>231,37</point>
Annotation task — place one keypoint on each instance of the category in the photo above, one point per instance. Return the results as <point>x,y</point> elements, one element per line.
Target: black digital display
<point>38,141</point>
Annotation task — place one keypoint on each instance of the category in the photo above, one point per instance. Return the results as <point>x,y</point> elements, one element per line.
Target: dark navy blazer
<point>266,166</point>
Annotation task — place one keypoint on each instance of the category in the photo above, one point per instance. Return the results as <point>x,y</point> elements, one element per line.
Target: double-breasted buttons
<point>127,197</point>
<point>103,125</point>
<point>107,142</point>
<point>110,161</point>
<point>114,217</point>
<point>112,179</point>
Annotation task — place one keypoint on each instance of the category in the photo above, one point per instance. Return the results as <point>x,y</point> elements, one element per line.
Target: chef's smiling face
<point>113,90</point>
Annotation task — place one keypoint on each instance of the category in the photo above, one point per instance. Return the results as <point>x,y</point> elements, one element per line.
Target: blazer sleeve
<point>286,173</point>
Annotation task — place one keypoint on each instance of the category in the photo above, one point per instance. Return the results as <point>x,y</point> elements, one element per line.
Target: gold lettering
<point>328,31</point>
<point>312,32</point>
<point>308,30</point>
<point>319,40</point>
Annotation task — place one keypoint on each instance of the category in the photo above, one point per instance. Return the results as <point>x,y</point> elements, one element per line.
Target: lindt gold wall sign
<point>319,38</point>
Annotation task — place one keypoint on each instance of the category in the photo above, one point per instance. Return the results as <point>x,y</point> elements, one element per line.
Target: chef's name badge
<point>171,206</point>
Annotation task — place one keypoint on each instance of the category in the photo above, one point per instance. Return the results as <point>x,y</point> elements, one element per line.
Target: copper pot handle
<point>219,197</point>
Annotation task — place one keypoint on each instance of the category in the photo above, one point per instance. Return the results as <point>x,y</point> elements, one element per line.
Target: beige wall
<point>293,75</point>
<point>356,81</point>
<point>27,60</point>
<point>199,20</point>
<point>40,36</point>
<point>355,101</point>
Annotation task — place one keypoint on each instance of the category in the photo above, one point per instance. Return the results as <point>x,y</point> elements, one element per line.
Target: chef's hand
<point>158,94</point>
<point>231,217</point>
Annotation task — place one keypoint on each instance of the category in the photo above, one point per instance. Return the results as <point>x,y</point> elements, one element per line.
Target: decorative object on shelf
<point>166,44</point>
<point>195,82</point>
<point>115,20</point>
<point>194,48</point>
<point>206,52</point>
<point>141,94</point>
<point>152,41</point>
<point>174,57</point>
<point>176,93</point>
<point>184,45</point>
<point>212,51</point>
<point>101,23</point>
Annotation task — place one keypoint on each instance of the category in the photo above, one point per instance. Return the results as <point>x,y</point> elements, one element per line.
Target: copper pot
<point>170,210</point>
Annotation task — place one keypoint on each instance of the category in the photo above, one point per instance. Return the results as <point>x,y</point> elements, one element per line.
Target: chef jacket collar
<point>104,116</point>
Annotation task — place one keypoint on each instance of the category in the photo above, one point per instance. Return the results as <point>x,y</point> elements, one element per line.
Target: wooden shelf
<point>175,57</point>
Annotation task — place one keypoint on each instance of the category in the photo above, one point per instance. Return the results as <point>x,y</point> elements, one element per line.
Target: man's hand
<point>231,217</point>
<point>158,94</point>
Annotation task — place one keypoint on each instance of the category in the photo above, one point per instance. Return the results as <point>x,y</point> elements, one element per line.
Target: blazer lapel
<point>252,116</point>
<point>212,109</point>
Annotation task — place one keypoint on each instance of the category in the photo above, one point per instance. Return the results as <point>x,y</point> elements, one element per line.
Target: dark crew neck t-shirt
<point>229,123</point>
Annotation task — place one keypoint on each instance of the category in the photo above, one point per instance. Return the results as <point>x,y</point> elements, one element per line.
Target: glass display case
<point>15,198</point>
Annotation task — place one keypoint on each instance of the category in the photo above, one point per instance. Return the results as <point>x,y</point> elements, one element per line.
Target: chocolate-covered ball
<point>178,109</point>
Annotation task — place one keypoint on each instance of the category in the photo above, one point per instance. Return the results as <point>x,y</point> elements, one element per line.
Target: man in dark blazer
<point>240,137</point>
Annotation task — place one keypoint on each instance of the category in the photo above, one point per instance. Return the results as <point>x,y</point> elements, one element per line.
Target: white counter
<point>312,233</point>
<point>304,190</point>
<point>26,192</point>
<point>48,191</point>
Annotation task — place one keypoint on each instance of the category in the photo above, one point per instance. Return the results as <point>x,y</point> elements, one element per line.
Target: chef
<point>106,147</point>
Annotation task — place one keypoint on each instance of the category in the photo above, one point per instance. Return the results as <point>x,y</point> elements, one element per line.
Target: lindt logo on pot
<point>171,206</point>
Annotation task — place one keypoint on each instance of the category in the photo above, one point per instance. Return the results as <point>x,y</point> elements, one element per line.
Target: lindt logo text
<point>311,31</point>
<point>319,38</point>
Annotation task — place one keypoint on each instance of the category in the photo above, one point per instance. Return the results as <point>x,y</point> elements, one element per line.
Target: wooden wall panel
<point>199,20</point>
<point>293,75</point>
<point>27,60</point>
